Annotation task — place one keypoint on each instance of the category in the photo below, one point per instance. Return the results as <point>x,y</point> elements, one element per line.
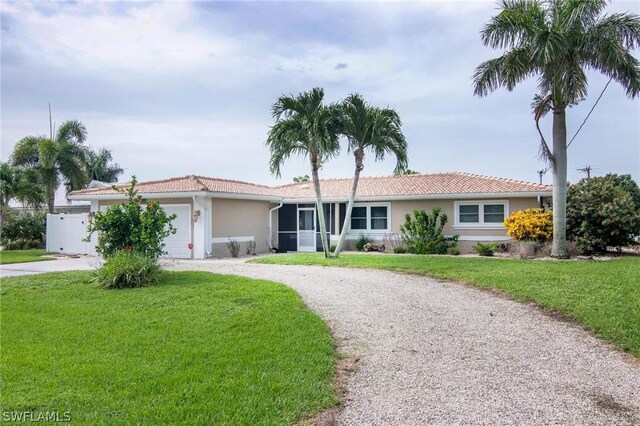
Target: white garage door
<point>177,245</point>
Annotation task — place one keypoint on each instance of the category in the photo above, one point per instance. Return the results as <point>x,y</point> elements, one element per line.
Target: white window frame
<point>369,230</point>
<point>478,225</point>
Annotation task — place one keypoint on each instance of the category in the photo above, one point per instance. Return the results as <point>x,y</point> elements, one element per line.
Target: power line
<point>590,111</point>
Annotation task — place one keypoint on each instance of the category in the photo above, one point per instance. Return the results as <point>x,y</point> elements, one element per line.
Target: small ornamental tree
<point>423,233</point>
<point>530,225</point>
<point>603,212</point>
<point>132,226</point>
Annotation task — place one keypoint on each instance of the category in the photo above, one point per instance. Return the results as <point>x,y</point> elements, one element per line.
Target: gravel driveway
<point>435,352</point>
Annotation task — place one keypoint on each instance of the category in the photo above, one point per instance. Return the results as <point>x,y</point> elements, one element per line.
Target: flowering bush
<point>132,226</point>
<point>603,212</point>
<point>530,225</point>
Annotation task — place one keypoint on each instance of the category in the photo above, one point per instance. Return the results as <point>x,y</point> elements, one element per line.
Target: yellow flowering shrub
<point>531,224</point>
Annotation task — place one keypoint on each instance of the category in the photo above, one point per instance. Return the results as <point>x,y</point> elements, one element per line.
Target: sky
<point>179,88</point>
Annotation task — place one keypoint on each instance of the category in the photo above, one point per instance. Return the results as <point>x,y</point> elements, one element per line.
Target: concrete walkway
<point>435,352</point>
<point>59,264</point>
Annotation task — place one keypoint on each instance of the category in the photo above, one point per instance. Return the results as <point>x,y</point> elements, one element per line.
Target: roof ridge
<point>235,181</point>
<point>501,179</point>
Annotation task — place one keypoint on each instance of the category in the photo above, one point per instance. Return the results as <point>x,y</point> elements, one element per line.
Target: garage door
<point>177,245</point>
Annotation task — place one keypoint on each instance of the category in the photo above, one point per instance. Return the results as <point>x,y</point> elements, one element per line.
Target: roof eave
<point>187,194</point>
<point>459,196</point>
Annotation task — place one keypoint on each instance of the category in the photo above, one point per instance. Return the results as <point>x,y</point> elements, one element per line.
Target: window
<point>493,213</point>
<point>373,218</point>
<point>480,214</point>
<point>359,218</point>
<point>379,217</point>
<point>470,214</point>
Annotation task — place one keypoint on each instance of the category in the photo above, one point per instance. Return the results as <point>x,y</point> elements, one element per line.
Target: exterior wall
<point>236,219</point>
<point>468,236</point>
<point>400,208</point>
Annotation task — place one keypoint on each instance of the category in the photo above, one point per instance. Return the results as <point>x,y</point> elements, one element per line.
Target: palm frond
<point>515,25</point>
<point>72,131</point>
<point>580,14</point>
<point>25,152</point>
<point>505,71</point>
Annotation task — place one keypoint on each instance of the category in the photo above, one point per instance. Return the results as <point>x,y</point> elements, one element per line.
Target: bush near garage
<point>603,212</point>
<point>23,231</point>
<point>132,226</point>
<point>127,269</point>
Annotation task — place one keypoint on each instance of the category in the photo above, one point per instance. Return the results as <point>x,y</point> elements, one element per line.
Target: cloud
<point>186,87</point>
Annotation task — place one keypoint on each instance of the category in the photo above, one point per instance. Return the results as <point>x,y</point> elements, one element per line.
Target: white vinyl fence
<point>65,233</point>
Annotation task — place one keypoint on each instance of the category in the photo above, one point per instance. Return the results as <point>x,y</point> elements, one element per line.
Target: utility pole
<point>50,123</point>
<point>587,170</point>
<point>541,173</point>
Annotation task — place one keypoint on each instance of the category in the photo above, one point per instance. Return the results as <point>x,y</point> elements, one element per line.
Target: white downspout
<point>207,227</point>
<point>271,224</point>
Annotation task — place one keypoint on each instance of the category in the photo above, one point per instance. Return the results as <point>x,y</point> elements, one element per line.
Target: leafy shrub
<point>22,231</point>
<point>454,251</point>
<point>530,225</point>
<point>487,249</point>
<point>234,247</point>
<point>362,241</point>
<point>131,226</point>
<point>422,233</point>
<point>251,247</point>
<point>332,248</point>
<point>400,249</point>
<point>128,269</point>
<point>603,212</point>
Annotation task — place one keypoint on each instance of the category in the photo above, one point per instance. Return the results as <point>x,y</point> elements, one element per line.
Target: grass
<point>22,256</point>
<point>603,296</point>
<point>198,348</point>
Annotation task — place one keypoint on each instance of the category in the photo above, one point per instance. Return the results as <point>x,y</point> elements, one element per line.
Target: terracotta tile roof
<point>189,183</point>
<point>378,186</point>
<point>413,185</point>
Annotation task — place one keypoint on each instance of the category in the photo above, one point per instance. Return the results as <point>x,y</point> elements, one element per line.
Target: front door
<point>307,229</point>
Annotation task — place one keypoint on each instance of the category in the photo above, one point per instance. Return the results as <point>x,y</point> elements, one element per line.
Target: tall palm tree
<point>370,128</point>
<point>21,185</point>
<point>305,126</point>
<point>100,167</point>
<point>59,159</point>
<point>556,41</point>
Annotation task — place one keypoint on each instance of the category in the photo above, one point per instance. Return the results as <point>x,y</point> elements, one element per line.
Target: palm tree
<point>100,167</point>
<point>21,185</point>
<point>377,129</point>
<point>305,126</point>
<point>57,160</point>
<point>556,41</point>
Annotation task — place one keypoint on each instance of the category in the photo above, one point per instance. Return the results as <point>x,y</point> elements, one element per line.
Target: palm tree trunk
<point>319,207</point>
<point>559,247</point>
<point>359,156</point>
<point>51,199</point>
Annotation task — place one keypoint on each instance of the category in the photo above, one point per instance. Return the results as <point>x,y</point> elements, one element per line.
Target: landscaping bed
<point>197,348</point>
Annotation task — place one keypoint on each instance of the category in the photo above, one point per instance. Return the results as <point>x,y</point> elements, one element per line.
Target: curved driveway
<point>435,352</point>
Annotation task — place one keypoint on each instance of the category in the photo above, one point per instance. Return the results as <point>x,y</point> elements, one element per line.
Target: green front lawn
<point>22,256</point>
<point>603,296</point>
<point>198,348</point>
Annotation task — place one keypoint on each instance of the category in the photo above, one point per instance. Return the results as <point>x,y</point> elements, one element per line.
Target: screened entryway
<point>307,229</point>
